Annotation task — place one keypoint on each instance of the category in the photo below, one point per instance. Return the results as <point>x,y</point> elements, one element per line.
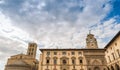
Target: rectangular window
<point>29,53</point>
<point>55,61</point>
<point>81,61</point>
<point>115,44</point>
<point>73,53</point>
<point>113,56</point>
<point>29,49</point>
<point>33,49</point>
<point>109,58</point>
<point>64,53</point>
<point>55,53</point>
<point>48,53</point>
<point>79,53</point>
<point>118,53</point>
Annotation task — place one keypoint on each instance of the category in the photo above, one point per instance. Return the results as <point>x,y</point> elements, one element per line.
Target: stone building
<point>89,58</point>
<point>24,61</point>
<point>112,53</point>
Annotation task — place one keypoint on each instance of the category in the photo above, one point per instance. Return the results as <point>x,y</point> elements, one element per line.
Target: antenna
<point>89,31</point>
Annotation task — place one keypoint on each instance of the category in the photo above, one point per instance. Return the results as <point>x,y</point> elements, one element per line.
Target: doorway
<point>117,67</point>
<point>96,68</point>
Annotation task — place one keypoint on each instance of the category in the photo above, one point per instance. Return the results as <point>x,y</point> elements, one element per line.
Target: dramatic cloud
<point>54,24</point>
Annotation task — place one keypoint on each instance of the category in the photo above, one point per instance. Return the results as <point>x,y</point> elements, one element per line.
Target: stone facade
<point>89,58</point>
<point>112,53</point>
<point>18,65</point>
<point>95,59</point>
<point>72,59</point>
<point>23,61</point>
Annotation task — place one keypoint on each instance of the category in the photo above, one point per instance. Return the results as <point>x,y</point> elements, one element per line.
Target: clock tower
<point>91,41</point>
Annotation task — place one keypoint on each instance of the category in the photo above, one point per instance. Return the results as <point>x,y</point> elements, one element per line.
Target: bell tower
<point>32,47</point>
<point>91,41</point>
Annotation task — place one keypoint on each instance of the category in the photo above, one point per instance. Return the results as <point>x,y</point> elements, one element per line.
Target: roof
<point>18,55</point>
<point>19,62</point>
<point>116,36</point>
<point>52,49</point>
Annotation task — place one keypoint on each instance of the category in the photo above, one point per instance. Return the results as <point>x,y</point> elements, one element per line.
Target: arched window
<point>47,61</point>
<point>73,61</point>
<point>81,61</point>
<point>64,62</point>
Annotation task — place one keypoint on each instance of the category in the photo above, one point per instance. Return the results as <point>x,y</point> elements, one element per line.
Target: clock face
<point>91,40</point>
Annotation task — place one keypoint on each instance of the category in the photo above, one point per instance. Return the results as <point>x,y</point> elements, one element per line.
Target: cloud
<point>106,31</point>
<point>54,23</point>
<point>1,1</point>
<point>13,40</point>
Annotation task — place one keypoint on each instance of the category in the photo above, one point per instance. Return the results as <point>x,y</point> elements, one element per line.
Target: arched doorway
<point>117,67</point>
<point>108,68</point>
<point>112,68</point>
<point>96,68</point>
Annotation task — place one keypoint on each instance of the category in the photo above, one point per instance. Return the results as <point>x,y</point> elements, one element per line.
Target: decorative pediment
<point>73,57</point>
<point>64,57</point>
<point>80,57</point>
<point>47,57</point>
<point>55,57</point>
<point>96,62</point>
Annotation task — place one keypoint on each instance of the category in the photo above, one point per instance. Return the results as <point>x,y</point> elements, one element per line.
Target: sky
<point>55,24</point>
